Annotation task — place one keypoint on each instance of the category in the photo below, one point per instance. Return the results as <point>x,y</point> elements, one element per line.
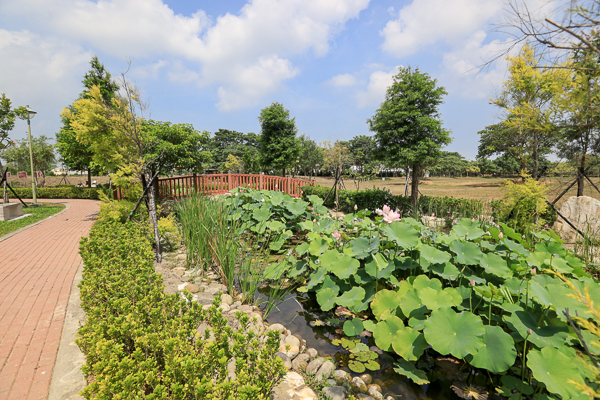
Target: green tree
<point>7,123</point>
<point>176,147</point>
<point>362,148</point>
<point>74,153</point>
<point>244,147</point>
<point>407,125</point>
<point>44,158</point>
<point>310,157</point>
<point>278,144</point>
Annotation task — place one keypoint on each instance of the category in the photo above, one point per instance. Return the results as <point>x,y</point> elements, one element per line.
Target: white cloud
<point>342,80</point>
<point>379,81</point>
<point>246,55</point>
<point>425,22</point>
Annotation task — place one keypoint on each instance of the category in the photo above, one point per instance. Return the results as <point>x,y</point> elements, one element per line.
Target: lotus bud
<point>501,235</point>
<point>336,235</point>
<point>529,331</point>
<point>534,271</point>
<point>315,220</point>
<point>472,219</point>
<point>523,236</point>
<point>355,207</point>
<point>472,283</point>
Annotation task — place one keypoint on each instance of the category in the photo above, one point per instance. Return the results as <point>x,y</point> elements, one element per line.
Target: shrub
<point>142,343</point>
<point>73,192</point>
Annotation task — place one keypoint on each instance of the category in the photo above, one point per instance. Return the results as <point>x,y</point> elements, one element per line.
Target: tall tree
<point>75,154</point>
<point>278,144</point>
<point>530,106</point>
<point>407,125</point>
<point>311,157</point>
<point>244,147</point>
<point>7,123</point>
<point>43,155</point>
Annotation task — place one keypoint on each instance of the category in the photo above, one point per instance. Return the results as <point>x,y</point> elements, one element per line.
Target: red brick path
<point>37,268</point>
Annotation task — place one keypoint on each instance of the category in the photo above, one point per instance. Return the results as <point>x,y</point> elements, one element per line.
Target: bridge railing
<point>181,186</point>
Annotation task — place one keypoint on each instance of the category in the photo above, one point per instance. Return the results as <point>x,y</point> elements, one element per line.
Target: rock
<point>358,384</point>
<point>375,385</point>
<point>331,382</point>
<point>376,394</point>
<point>236,304</point>
<point>276,327</point>
<point>256,324</point>
<point>193,288</point>
<point>364,397</point>
<point>584,213</point>
<point>324,371</point>
<point>226,299</point>
<point>224,307</point>
<point>178,272</point>
<point>304,393</point>
<point>389,398</point>
<point>245,308</point>
<point>300,362</point>
<point>202,329</point>
<point>341,376</point>
<point>376,349</point>
<point>205,298</point>
<point>185,278</point>
<point>312,353</point>
<point>291,340</point>
<point>335,392</point>
<point>287,363</point>
<point>231,370</point>
<point>290,382</point>
<point>182,286</point>
<point>314,365</point>
<point>182,257</point>
<point>367,379</point>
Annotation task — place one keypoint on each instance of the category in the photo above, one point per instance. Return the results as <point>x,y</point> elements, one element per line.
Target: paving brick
<point>38,268</point>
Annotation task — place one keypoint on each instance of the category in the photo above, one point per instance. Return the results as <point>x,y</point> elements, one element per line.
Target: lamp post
<point>31,114</point>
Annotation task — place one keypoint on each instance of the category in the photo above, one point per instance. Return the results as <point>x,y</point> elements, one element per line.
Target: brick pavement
<point>37,267</point>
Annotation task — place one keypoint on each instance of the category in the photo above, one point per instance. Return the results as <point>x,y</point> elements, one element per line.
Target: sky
<point>216,64</point>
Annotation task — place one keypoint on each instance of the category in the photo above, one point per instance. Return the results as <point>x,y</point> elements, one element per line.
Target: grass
<point>37,214</point>
<point>481,188</point>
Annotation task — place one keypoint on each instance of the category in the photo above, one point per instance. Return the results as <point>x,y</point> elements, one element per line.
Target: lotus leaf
<point>514,383</point>
<point>409,344</point>
<point>275,270</point>
<point>434,299</point>
<point>318,246</point>
<point>344,266</point>
<point>418,322</point>
<point>262,214</point>
<point>544,336</point>
<point>540,294</point>
<point>467,253</point>
<point>369,325</point>
<point>550,248</point>
<point>446,270</point>
<point>411,304</point>
<point>372,365</point>
<point>496,265</point>
<point>402,234</point>
<point>385,330</point>
<point>316,277</point>
<point>364,246</point>
<point>422,281</point>
<point>298,269</point>
<point>356,366</point>
<point>326,298</point>
<point>408,369</point>
<point>353,327</point>
<point>275,226</point>
<point>384,300</point>
<point>454,333</point>
<point>301,249</point>
<point>328,257</point>
<point>467,230</point>
<point>555,370</point>
<point>497,353</point>
<point>352,298</point>
<point>375,264</point>
<point>434,255</point>
<point>516,247</point>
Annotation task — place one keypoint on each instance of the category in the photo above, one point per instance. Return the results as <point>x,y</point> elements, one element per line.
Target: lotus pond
<point>476,311</point>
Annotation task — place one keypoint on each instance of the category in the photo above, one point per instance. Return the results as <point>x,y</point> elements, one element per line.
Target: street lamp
<point>31,114</point>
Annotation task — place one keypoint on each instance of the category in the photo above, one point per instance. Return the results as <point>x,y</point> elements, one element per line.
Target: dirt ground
<point>482,188</point>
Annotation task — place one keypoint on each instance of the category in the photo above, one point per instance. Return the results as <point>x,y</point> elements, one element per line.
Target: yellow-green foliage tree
<point>233,164</point>
<point>531,108</point>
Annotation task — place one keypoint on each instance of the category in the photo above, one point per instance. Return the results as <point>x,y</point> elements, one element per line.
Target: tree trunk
<point>5,194</point>
<point>283,173</point>
<point>414,186</point>
<point>154,219</point>
<point>580,178</point>
<point>89,177</point>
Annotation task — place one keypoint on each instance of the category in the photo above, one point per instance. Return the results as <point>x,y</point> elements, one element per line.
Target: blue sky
<point>216,64</point>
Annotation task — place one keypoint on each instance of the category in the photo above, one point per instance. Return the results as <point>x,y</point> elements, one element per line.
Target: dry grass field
<point>481,188</point>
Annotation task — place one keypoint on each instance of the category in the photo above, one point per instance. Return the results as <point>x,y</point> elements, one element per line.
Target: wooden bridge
<point>181,186</point>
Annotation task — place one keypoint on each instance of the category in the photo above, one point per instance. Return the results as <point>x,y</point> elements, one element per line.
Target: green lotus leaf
<point>318,246</point>
<point>320,209</point>
<point>326,298</point>
<point>550,248</point>
<point>496,265</point>
<point>375,265</point>
<point>356,366</point>
<point>411,304</point>
<point>353,327</point>
<point>540,294</point>
<point>275,226</point>
<point>434,255</point>
<point>328,257</point>
<point>262,214</point>
<point>498,352</point>
<point>372,365</point>
<point>555,370</point>
<point>344,267</point>
<point>316,277</point>
<point>385,330</point>
<point>467,253</point>
<point>409,344</point>
<point>451,333</point>
<point>384,300</point>
<point>352,298</point>
<point>363,246</point>
<point>422,281</point>
<point>515,247</point>
<point>435,299</point>
<point>302,248</point>
<point>561,265</point>
<point>544,336</point>
<point>466,229</point>
<point>369,325</point>
<point>402,234</point>
<point>296,207</point>
<point>408,369</point>
<point>446,270</point>
<point>560,300</point>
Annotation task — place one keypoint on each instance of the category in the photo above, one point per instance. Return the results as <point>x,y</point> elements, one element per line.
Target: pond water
<point>300,311</point>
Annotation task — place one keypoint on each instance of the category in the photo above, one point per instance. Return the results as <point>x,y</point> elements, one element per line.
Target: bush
<point>142,343</point>
<point>66,192</point>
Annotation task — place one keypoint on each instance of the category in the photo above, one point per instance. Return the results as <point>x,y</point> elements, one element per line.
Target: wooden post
<point>229,181</point>
<point>287,185</point>
<point>261,180</point>
<point>195,182</point>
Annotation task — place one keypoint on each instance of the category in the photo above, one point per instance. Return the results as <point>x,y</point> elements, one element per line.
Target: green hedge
<point>73,192</point>
<point>142,343</point>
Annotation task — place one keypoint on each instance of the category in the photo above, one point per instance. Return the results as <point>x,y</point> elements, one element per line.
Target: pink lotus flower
<point>533,271</point>
<point>391,217</point>
<point>336,235</point>
<point>355,207</point>
<point>501,235</point>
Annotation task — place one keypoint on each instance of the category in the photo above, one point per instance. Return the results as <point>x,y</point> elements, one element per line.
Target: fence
<point>181,186</point>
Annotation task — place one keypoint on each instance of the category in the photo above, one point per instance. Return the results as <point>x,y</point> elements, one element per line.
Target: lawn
<point>37,214</point>
<point>482,188</point>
